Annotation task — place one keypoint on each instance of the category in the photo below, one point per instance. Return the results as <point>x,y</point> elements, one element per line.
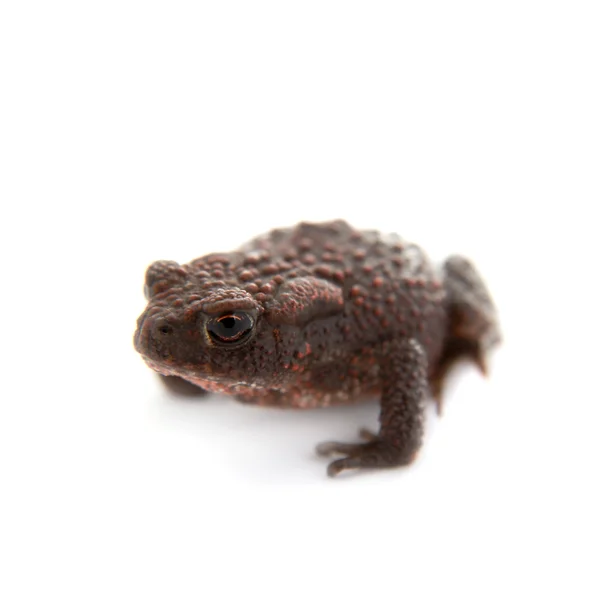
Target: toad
<point>316,315</point>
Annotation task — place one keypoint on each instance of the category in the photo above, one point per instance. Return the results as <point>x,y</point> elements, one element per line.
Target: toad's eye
<point>230,328</point>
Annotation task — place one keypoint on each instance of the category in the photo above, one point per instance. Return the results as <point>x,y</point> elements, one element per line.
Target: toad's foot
<point>455,350</point>
<point>329,448</point>
<point>374,453</point>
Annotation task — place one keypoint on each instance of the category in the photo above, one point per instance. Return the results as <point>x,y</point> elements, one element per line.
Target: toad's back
<point>389,286</point>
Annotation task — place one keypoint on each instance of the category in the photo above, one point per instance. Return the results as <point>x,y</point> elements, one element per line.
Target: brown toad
<point>316,315</point>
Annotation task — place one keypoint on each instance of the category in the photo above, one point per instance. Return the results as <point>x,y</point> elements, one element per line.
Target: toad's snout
<point>155,337</point>
<point>169,340</point>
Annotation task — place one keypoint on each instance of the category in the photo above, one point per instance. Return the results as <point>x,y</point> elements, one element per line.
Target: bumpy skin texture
<point>320,314</point>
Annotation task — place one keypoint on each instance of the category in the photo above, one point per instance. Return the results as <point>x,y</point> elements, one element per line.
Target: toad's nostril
<point>162,328</point>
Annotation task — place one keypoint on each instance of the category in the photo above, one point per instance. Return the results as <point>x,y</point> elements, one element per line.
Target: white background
<point>135,131</point>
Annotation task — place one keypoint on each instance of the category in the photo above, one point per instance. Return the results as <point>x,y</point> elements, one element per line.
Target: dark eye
<point>230,328</point>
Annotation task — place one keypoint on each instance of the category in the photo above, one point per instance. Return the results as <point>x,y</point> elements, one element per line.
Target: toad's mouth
<point>205,379</point>
<point>185,371</point>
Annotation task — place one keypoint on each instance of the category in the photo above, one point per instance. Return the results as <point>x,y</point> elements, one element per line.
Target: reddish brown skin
<point>337,315</point>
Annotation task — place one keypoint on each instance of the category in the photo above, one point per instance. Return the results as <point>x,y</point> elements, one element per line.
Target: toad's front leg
<point>181,387</point>
<point>404,384</point>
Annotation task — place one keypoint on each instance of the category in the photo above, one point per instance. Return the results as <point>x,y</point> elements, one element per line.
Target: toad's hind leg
<point>472,321</point>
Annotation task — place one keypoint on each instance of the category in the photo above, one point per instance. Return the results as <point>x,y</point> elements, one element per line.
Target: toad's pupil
<point>228,322</point>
